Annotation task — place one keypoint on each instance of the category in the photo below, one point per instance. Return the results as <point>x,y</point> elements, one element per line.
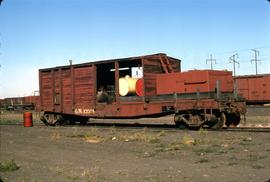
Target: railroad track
<point>244,129</point>
<point>155,127</point>
<point>175,128</point>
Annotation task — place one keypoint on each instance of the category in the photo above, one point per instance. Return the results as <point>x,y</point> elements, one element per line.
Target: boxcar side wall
<point>73,89</point>
<point>84,88</point>
<point>256,89</point>
<point>67,90</point>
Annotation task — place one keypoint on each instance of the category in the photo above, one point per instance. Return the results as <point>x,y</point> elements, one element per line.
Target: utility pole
<point>211,60</point>
<point>232,60</point>
<point>256,54</point>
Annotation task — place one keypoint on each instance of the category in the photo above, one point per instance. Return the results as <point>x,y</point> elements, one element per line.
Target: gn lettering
<point>84,111</point>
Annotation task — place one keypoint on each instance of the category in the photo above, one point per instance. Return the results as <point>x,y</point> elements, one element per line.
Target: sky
<point>37,34</point>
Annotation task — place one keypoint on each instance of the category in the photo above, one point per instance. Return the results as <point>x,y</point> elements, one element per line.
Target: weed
<point>154,140</point>
<point>161,134</point>
<point>93,138</point>
<point>207,149</point>
<point>202,132</point>
<point>232,163</point>
<point>73,177</point>
<point>55,135</point>
<point>59,170</point>
<point>141,136</point>
<point>245,143</point>
<point>77,136</point>
<point>247,139</point>
<point>153,177</point>
<point>219,152</point>
<point>88,175</point>
<point>188,139</point>
<point>161,148</point>
<point>149,154</point>
<point>8,166</point>
<point>113,130</point>
<point>90,138</point>
<point>202,160</point>
<point>258,166</point>
<point>233,158</point>
<point>174,146</point>
<point>255,157</point>
<point>8,121</point>
<point>94,130</point>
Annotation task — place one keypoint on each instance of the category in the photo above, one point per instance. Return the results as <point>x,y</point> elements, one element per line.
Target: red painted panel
<point>255,88</point>
<point>67,91</point>
<point>46,90</point>
<point>84,87</point>
<point>193,81</point>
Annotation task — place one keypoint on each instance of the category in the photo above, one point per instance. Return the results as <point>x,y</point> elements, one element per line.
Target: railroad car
<point>20,103</point>
<point>254,88</point>
<point>137,87</point>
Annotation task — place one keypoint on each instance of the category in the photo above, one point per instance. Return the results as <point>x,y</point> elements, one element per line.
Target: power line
<point>211,60</point>
<point>241,50</point>
<point>232,60</point>
<point>256,53</point>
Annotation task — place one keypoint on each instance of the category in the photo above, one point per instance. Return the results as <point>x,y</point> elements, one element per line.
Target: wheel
<point>195,121</point>
<point>229,119</point>
<point>232,119</point>
<point>219,122</point>
<point>236,119</point>
<point>180,121</point>
<point>52,119</point>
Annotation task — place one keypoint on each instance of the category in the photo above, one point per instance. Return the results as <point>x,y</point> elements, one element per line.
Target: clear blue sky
<point>37,34</point>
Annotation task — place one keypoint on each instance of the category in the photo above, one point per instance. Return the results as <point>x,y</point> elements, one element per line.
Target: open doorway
<point>130,74</point>
<point>105,83</point>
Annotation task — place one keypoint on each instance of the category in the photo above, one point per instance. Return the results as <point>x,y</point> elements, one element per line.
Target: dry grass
<point>12,117</point>
<point>55,135</point>
<point>89,137</point>
<point>86,175</point>
<point>202,160</point>
<point>93,139</point>
<point>141,136</point>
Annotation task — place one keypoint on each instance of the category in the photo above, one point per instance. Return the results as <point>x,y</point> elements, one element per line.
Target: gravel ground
<point>113,154</point>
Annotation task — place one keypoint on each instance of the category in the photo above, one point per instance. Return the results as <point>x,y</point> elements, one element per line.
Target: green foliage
<point>8,166</point>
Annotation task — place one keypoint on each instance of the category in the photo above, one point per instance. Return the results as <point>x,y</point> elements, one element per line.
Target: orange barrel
<point>139,87</point>
<point>27,119</point>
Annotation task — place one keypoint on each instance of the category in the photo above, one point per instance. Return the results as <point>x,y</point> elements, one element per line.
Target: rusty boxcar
<point>20,103</point>
<point>254,88</point>
<point>135,87</point>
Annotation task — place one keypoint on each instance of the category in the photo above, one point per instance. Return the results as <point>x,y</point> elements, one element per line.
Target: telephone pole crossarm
<point>256,60</point>
<point>232,60</point>
<point>211,60</point>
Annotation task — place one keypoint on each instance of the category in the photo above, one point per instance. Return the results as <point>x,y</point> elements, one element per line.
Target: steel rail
<point>153,127</point>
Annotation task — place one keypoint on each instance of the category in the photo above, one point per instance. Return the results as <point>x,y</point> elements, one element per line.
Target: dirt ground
<point>89,153</point>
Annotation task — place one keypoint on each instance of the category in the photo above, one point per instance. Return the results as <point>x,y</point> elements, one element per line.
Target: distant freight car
<point>20,103</point>
<point>136,87</point>
<point>254,88</point>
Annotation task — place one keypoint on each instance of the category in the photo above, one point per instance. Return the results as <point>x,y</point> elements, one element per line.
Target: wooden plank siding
<point>153,66</point>
<point>46,91</point>
<point>84,86</point>
<point>56,89</point>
